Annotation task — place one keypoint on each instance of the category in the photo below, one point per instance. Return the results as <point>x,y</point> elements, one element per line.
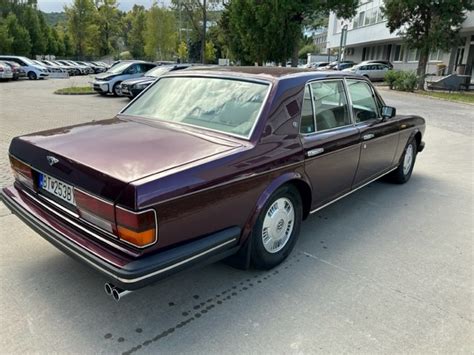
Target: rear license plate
<point>57,188</point>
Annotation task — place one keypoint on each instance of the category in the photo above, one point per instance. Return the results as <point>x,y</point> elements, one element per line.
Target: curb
<point>427,96</point>
<point>74,93</point>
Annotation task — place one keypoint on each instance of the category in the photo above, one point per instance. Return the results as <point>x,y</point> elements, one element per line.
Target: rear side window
<point>330,104</point>
<point>363,102</point>
<point>307,115</point>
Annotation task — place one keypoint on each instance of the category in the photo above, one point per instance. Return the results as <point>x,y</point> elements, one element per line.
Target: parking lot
<point>387,269</point>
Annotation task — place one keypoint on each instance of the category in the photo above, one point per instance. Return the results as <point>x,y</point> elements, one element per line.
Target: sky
<point>124,5</point>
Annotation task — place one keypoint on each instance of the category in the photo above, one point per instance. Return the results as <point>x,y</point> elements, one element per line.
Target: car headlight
<point>140,86</point>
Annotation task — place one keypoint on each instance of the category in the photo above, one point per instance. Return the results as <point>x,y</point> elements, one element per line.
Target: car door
<point>330,140</point>
<point>379,138</point>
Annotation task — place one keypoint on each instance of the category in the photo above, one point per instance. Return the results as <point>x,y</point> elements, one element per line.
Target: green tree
<point>82,27</point>
<point>21,38</point>
<point>427,25</point>
<point>183,52</point>
<point>308,48</point>
<point>160,33</point>
<point>210,52</point>
<point>271,30</point>
<point>135,31</point>
<point>6,40</point>
<point>32,21</point>
<point>108,21</point>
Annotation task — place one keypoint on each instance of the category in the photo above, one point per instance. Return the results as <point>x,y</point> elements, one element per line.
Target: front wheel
<point>277,228</point>
<point>32,75</point>
<point>403,173</point>
<point>116,89</point>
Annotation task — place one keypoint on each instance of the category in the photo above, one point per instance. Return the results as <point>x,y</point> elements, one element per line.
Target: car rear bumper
<point>134,273</point>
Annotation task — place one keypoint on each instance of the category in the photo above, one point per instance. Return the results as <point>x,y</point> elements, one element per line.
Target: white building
<point>369,38</point>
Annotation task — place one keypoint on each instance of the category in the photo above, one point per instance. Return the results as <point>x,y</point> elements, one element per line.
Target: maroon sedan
<point>205,164</point>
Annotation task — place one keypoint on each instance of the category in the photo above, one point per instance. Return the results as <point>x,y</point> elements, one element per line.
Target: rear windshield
<point>225,105</point>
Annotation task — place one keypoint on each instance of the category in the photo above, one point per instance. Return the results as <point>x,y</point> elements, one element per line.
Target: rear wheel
<point>277,228</point>
<point>403,173</point>
<point>32,75</point>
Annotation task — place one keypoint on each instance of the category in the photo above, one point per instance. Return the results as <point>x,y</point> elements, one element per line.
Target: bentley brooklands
<point>207,164</point>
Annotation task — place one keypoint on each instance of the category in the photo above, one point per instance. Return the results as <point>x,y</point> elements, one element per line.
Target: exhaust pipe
<point>108,289</point>
<point>115,292</point>
<point>118,293</point>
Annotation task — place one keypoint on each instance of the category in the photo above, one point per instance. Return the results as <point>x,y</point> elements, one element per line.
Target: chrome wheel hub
<point>278,225</point>
<point>408,160</point>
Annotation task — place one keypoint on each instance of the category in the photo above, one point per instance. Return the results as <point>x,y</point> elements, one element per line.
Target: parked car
<point>386,62</point>
<point>372,71</point>
<point>6,72</point>
<point>78,69</point>
<point>207,164</point>
<point>70,70</point>
<point>338,66</point>
<point>49,67</point>
<point>316,65</point>
<point>109,82</point>
<point>94,68</point>
<point>17,70</point>
<point>132,87</point>
<point>33,70</point>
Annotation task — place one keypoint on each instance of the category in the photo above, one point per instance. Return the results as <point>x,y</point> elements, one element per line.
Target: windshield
<point>118,68</point>
<point>158,71</point>
<point>225,105</point>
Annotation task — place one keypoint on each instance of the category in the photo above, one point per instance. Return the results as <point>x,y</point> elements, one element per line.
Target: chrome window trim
<point>349,103</point>
<point>224,77</point>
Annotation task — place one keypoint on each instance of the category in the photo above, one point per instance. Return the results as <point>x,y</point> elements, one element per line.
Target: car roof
<point>263,73</point>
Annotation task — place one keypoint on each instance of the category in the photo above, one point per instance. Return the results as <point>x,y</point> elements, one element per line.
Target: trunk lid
<point>103,157</point>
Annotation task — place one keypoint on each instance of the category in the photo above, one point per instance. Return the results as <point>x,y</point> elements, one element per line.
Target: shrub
<point>406,81</point>
<point>391,77</point>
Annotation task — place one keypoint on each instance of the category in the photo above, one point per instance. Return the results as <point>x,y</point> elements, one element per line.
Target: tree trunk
<point>204,27</point>
<point>294,56</point>
<point>421,70</point>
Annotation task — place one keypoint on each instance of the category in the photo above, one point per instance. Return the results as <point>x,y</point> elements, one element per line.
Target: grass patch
<point>75,90</point>
<point>450,96</point>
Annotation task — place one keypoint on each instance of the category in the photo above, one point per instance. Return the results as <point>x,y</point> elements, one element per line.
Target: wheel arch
<point>294,178</point>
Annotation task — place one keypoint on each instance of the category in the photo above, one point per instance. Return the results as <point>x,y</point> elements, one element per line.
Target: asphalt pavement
<point>388,269</point>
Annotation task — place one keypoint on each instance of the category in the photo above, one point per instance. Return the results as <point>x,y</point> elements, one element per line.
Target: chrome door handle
<point>314,152</point>
<point>368,136</point>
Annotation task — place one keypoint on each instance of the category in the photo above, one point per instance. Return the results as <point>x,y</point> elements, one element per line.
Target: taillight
<point>137,228</point>
<point>95,210</point>
<point>22,172</point>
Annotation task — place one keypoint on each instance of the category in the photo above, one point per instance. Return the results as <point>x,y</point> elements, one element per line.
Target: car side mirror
<point>388,111</point>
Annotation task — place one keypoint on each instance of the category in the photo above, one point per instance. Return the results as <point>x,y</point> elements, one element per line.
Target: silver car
<point>373,71</point>
<point>5,71</point>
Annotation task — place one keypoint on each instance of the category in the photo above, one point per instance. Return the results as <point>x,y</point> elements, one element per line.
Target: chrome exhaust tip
<point>118,293</point>
<point>108,289</point>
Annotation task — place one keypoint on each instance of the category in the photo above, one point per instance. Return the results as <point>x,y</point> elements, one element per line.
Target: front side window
<point>363,102</point>
<point>225,105</point>
<point>330,104</point>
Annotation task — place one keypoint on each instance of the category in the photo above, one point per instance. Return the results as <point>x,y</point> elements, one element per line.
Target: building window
<point>398,53</point>
<point>413,55</point>
<point>436,56</point>
<point>359,20</point>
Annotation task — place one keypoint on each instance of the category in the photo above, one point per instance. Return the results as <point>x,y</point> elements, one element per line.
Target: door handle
<point>314,152</point>
<point>366,137</point>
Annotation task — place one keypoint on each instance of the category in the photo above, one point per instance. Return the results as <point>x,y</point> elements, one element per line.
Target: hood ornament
<point>51,160</point>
